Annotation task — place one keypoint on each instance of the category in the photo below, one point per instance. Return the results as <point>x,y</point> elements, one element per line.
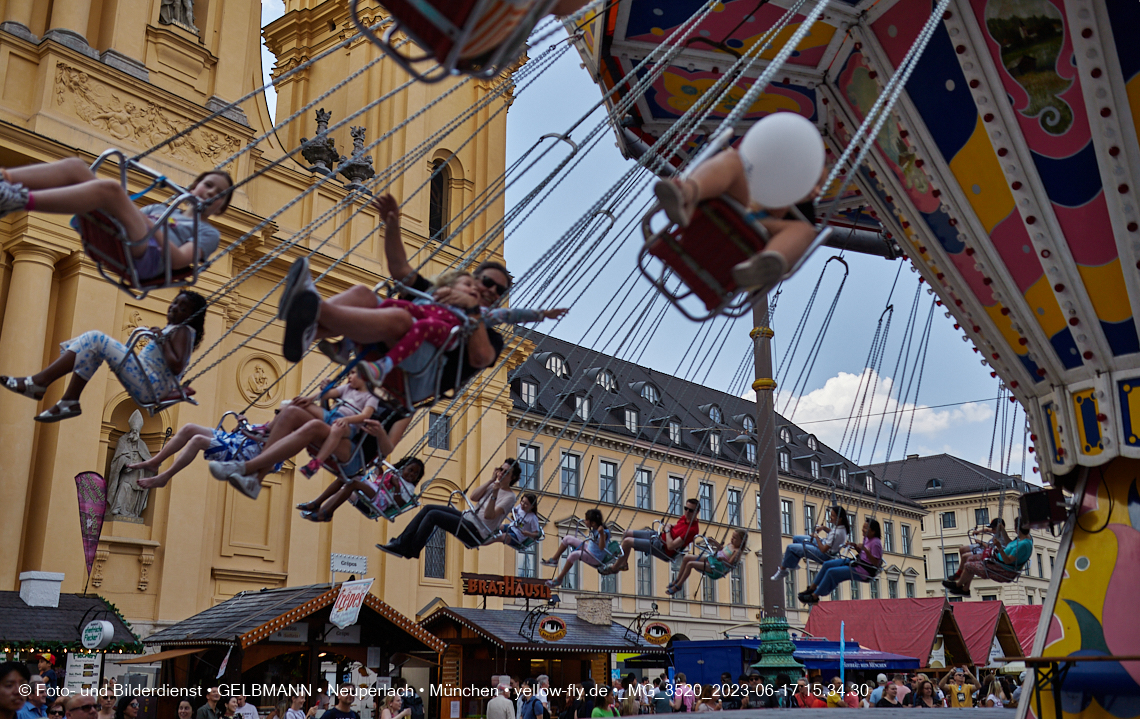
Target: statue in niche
<point>178,12</point>
<point>125,498</point>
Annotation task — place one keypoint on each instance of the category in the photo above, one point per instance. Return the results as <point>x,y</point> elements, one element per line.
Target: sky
<point>952,410</point>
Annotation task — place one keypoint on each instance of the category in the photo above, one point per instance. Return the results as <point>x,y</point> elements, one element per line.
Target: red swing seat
<point>702,256</point>
<point>104,242</point>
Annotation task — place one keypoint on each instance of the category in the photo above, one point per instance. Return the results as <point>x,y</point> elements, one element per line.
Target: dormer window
<point>715,414</point>
<point>815,468</point>
<point>812,444</point>
<point>749,425</point>
<point>870,481</point>
<point>674,431</point>
<point>631,419</point>
<point>750,453</point>
<point>529,392</point>
<point>785,435</point>
<point>843,476</point>
<point>582,407</point>
<point>557,366</point>
<point>933,485</point>
<point>650,394</point>
<point>606,381</point>
<point>785,462</point>
<point>714,443</point>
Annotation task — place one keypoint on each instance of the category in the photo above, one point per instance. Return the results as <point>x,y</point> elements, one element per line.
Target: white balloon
<point>783,157</point>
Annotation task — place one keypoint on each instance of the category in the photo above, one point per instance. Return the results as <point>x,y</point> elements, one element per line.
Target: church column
<point>68,25</point>
<point>18,19</point>
<point>22,340</point>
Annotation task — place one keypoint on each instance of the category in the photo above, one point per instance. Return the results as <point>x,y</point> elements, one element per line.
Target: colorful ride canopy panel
<point>1008,169</point>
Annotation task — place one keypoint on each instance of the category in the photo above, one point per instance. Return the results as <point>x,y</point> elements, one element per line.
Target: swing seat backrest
<point>105,242</point>
<point>702,255</point>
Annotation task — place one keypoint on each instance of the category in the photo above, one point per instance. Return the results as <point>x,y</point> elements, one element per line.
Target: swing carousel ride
<point>1003,163</point>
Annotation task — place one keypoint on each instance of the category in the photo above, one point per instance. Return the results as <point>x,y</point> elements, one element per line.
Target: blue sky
<point>956,406</point>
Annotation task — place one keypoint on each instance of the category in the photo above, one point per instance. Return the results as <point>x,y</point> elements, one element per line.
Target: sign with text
<point>296,632</point>
<point>347,635</point>
<point>84,671</point>
<point>98,634</point>
<point>346,610</point>
<point>492,585</point>
<point>349,564</point>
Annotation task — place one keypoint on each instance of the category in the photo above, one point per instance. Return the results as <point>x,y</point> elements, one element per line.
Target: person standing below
<point>660,703</point>
<point>877,692</point>
<point>245,709</point>
<point>903,689</point>
<point>13,677</point>
<point>46,669</point>
<point>36,705</point>
<point>924,696</point>
<point>605,705</point>
<point>500,706</point>
<point>542,691</point>
<point>997,698</point>
<point>210,710</point>
<point>393,707</point>
<point>666,545</point>
<point>959,690</point>
<point>343,707</point>
<point>835,694</point>
<point>79,706</point>
<point>683,695</point>
<point>890,698</point>
<point>296,708</point>
<point>186,710</point>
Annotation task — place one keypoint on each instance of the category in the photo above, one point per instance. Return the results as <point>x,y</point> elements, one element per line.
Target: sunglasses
<point>56,712</point>
<point>492,285</point>
<point>690,510</point>
<point>87,707</point>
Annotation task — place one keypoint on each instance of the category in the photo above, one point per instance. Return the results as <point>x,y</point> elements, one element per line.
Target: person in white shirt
<point>500,706</point>
<point>245,709</point>
<point>811,546</point>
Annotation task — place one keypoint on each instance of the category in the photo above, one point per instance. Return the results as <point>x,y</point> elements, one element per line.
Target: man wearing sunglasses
<point>672,539</point>
<point>82,706</point>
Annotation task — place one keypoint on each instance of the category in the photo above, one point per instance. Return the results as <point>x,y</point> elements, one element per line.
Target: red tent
<point>980,622</point>
<point>1025,619</point>
<point>900,626</point>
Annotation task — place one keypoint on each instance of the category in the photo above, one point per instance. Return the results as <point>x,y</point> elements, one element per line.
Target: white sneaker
<point>761,272</point>
<point>780,574</point>
<point>247,484</point>
<point>221,471</point>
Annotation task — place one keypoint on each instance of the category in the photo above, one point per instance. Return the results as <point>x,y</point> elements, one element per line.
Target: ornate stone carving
<point>101,557</point>
<point>321,150</point>
<point>136,120</point>
<point>256,375</point>
<point>178,12</point>
<point>359,167</point>
<point>145,559</point>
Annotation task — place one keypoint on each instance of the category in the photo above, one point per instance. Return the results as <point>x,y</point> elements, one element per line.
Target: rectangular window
<point>714,443</point>
<point>790,598</point>
<point>949,563</point>
<point>571,464</point>
<point>607,481</point>
<point>856,590</point>
<point>644,574</point>
<point>888,536</point>
<point>758,527</point>
<point>1029,599</point>
<point>676,492</point>
<point>905,536</point>
<point>674,431</point>
<point>750,453</point>
<point>526,561</point>
<point>1051,565</point>
<point>874,589</point>
<point>734,507</point>
<point>815,468</point>
<point>631,420</point>
<point>608,583</point>
<point>843,476</point>
<point>892,589</point>
<point>708,589</point>
<point>582,407</point>
<point>809,517</point>
<point>708,502</point>
<point>529,393</point>
<point>869,482</point>
<point>643,481</point>
<point>982,517</point>
<point>949,520</point>
<point>785,462</point>
<point>1040,567</point>
<point>989,597</point>
<point>922,524</point>
<point>736,583</point>
<point>435,555</point>
<point>573,578</point>
<point>528,466</point>
<point>787,525</point>
<point>439,431</point>
<point>910,590</point>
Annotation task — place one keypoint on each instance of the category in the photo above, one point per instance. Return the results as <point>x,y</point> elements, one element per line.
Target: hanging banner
<point>346,610</point>
<point>91,489</point>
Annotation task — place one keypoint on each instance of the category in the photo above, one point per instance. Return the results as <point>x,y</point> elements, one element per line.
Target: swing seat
<point>701,257</point>
<point>481,38</point>
<point>526,543</point>
<point>183,393</point>
<point>105,241</point>
<point>998,572</point>
<point>613,554</point>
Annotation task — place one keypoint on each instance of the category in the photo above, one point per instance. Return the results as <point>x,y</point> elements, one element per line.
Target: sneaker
<point>373,373</point>
<point>339,352</point>
<point>247,484</point>
<point>949,584</point>
<point>552,584</point>
<point>301,325</point>
<point>222,470</point>
<point>761,272</point>
<point>13,197</point>
<point>671,195</point>
<point>297,280</point>
<point>391,548</point>
<point>311,468</point>
<point>550,562</point>
<point>780,574</point>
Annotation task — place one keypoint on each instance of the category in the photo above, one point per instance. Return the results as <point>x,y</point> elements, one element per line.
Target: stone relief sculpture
<point>178,12</point>
<point>125,498</point>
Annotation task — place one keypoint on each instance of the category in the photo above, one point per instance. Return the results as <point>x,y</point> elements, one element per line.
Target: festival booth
<point>922,628</point>
<point>568,648</point>
<point>281,637</point>
<point>703,662</point>
<point>1025,619</point>
<point>78,631</point>
<point>988,632</point>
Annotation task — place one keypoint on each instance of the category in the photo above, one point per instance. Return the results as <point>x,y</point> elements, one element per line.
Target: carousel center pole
<point>776,646</point>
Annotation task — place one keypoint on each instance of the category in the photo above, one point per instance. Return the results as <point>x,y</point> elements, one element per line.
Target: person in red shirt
<point>665,545</point>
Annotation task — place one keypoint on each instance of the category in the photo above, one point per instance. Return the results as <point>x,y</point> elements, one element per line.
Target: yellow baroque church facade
<point>82,76</point>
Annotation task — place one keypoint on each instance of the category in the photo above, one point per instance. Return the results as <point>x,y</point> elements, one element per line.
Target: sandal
<point>308,506</point>
<point>31,390</point>
<point>61,410</point>
<point>678,198</point>
<point>316,516</point>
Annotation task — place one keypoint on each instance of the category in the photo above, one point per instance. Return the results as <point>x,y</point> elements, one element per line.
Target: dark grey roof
<point>501,627</point>
<point>685,401</point>
<point>942,475</point>
<point>20,623</point>
<point>244,612</point>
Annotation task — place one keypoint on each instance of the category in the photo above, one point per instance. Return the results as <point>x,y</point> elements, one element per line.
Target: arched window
<point>715,414</point>
<point>749,424</point>
<point>606,381</point>
<point>650,394</point>
<point>557,366</point>
<point>439,210</point>
<point>934,484</point>
<point>813,445</point>
<point>785,435</point>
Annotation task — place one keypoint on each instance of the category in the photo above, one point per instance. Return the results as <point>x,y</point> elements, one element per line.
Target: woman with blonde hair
<point>390,708</point>
<point>997,698</point>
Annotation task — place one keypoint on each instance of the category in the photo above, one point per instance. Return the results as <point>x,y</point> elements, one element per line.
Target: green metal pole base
<point>776,649</point>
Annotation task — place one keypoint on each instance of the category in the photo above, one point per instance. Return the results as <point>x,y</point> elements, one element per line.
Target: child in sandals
<point>354,404</point>
<point>69,187</point>
<point>160,364</point>
<point>380,489</point>
<point>715,565</point>
<point>727,173</point>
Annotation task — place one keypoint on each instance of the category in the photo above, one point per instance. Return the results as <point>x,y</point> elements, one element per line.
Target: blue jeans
<point>802,546</point>
<point>833,573</point>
